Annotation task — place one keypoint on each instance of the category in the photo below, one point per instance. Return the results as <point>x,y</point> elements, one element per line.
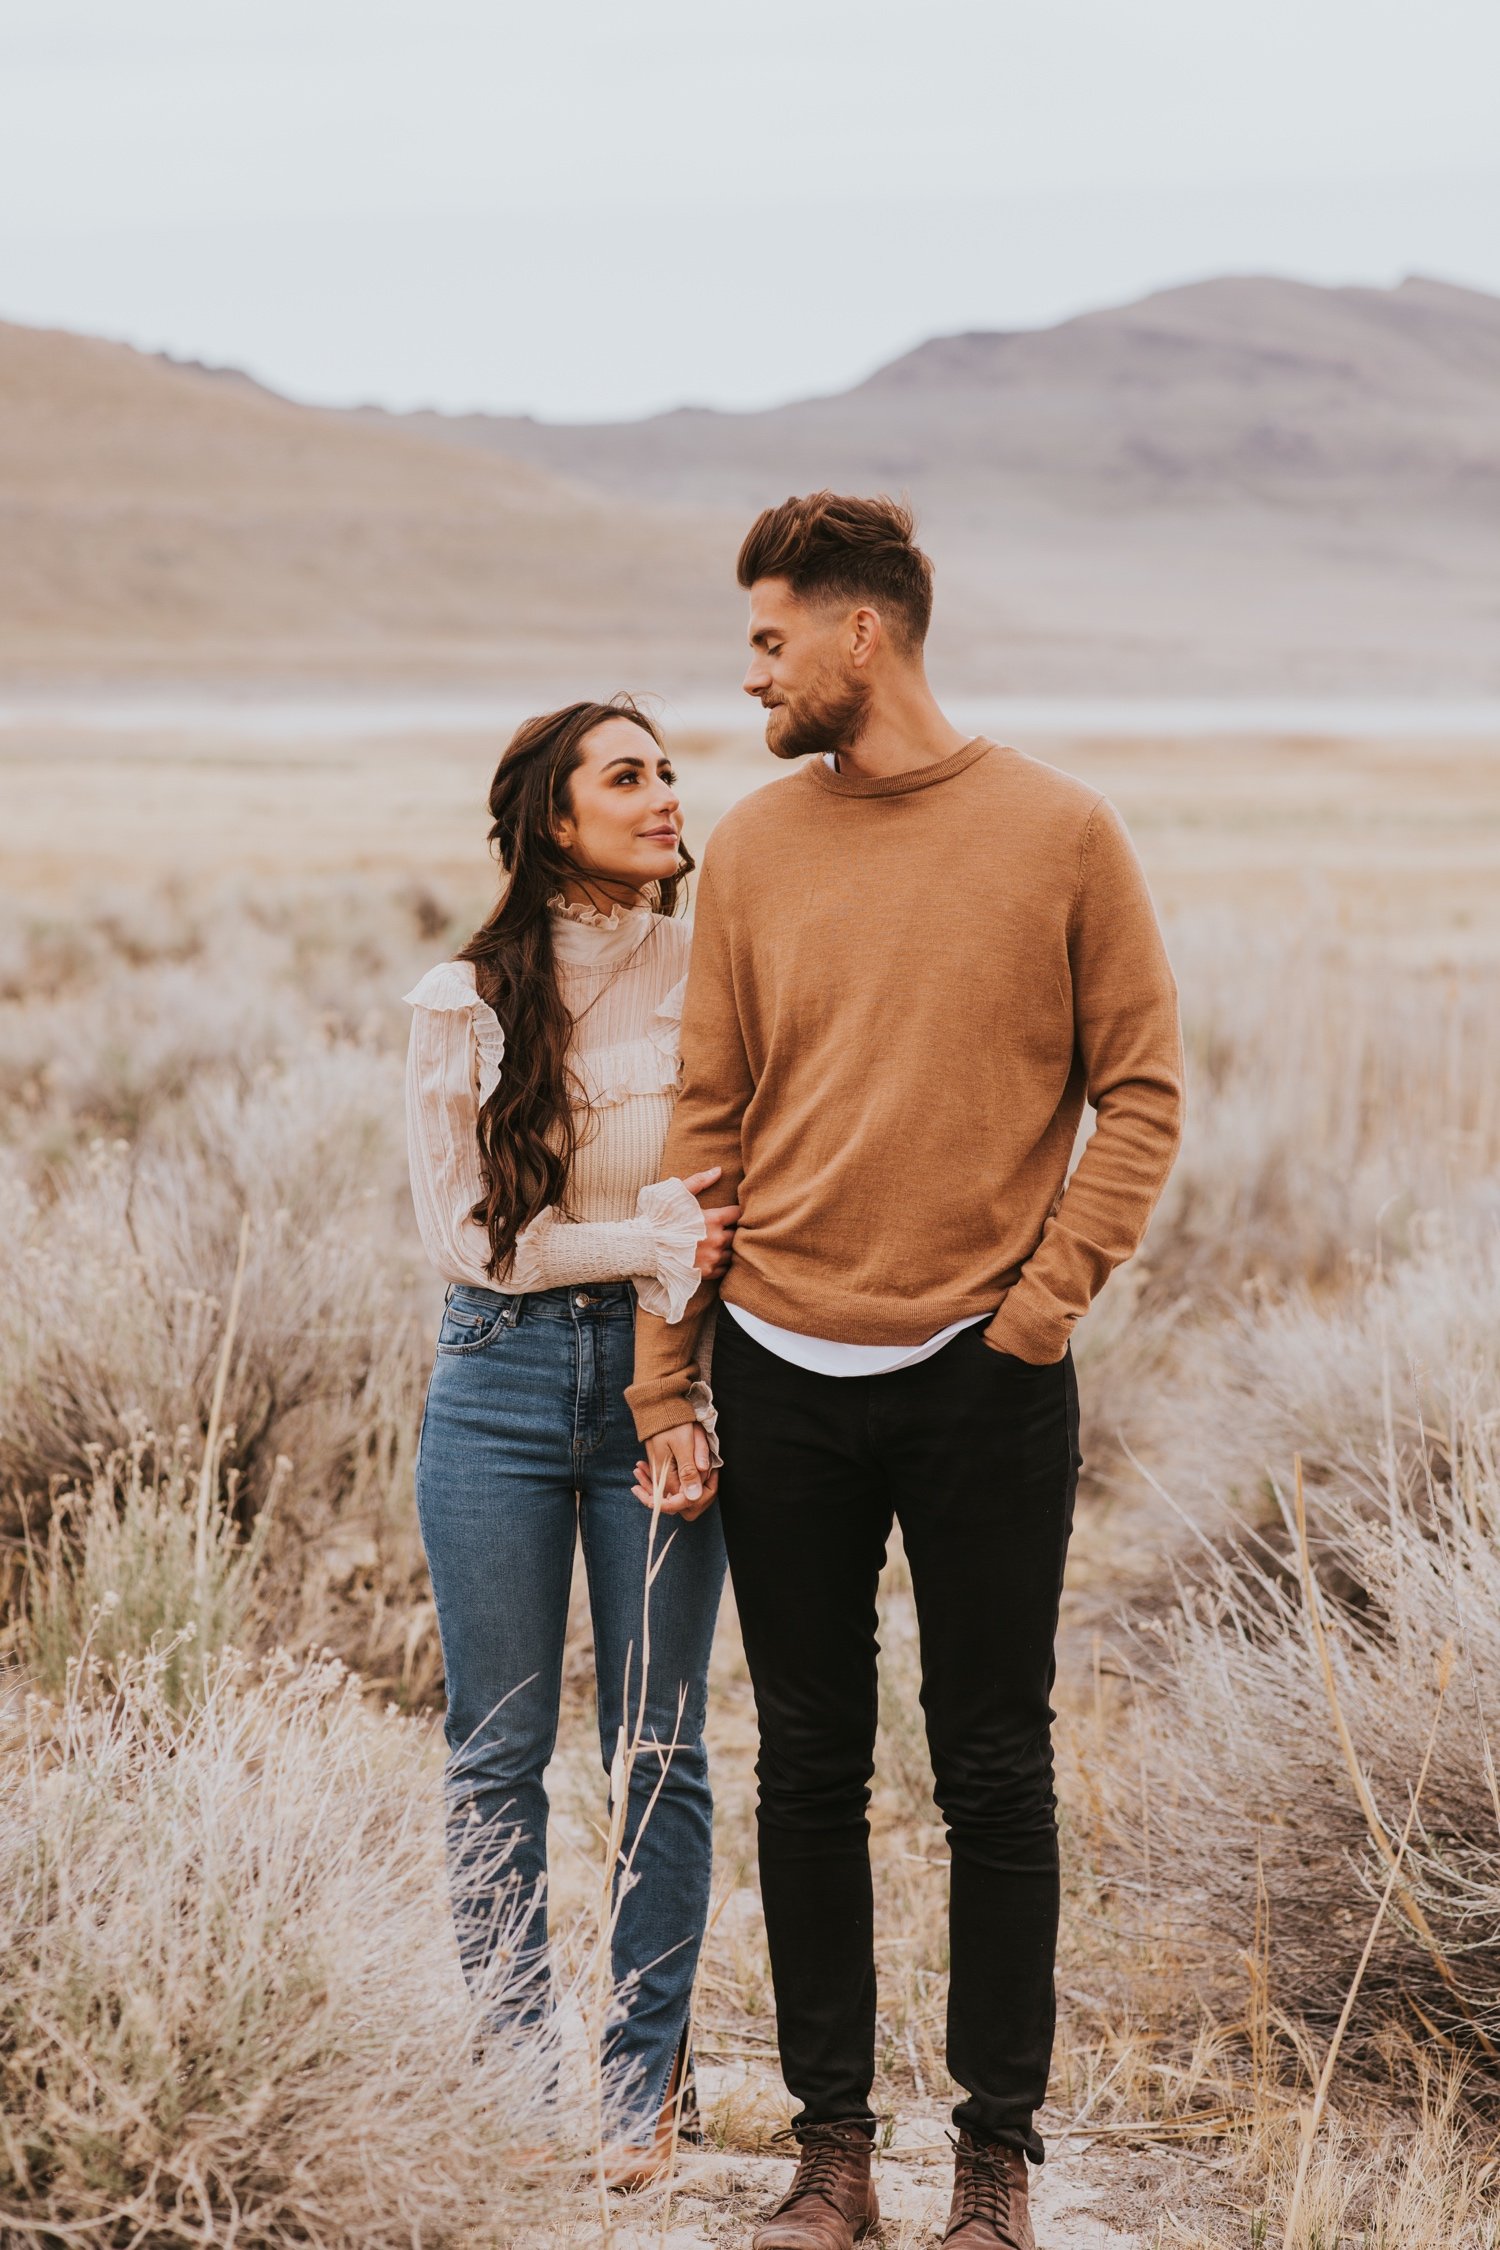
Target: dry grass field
<point>230,2011</point>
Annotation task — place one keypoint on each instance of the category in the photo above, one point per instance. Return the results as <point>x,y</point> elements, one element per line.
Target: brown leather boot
<point>990,2208</point>
<point>830,2204</point>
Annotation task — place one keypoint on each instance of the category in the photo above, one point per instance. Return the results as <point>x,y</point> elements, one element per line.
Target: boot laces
<point>822,2159</point>
<point>983,2184</point>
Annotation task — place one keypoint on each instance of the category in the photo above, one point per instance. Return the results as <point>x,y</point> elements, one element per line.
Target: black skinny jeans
<point>976,1456</point>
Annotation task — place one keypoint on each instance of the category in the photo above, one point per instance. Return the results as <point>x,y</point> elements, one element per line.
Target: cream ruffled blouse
<point>622,976</point>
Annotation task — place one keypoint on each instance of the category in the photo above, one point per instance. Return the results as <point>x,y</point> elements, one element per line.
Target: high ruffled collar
<point>594,917</point>
<point>593,937</point>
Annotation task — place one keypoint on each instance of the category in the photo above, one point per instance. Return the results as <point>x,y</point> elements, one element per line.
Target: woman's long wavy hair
<point>529,1129</point>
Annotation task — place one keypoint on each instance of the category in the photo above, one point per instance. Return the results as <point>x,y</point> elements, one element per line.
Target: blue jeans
<point>526,1436</point>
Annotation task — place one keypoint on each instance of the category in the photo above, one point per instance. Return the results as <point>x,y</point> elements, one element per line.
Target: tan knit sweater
<point>903,990</point>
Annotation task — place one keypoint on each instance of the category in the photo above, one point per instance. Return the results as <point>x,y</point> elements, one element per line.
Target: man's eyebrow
<point>766,633</point>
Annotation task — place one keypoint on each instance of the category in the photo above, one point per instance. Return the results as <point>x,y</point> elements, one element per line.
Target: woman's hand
<point>717,1247</point>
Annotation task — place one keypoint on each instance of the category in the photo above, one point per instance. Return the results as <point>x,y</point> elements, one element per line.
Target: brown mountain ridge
<point>1247,485</point>
<point>1236,389</point>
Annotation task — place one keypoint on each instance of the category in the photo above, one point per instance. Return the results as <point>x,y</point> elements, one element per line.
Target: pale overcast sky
<point>588,207</point>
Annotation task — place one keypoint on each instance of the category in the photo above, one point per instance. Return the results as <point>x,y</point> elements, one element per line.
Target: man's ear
<point>866,634</point>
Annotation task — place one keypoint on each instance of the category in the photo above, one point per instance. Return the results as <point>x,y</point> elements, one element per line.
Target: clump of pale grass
<point>167,1067</point>
<point>114,1290</point>
<point>1332,1099</point>
<point>1278,1734</point>
<point>1418,2178</point>
<point>1386,1373</point>
<point>110,1014</point>
<point>115,1281</point>
<point>1340,1110</point>
<point>229,2003</point>
<point>145,1558</point>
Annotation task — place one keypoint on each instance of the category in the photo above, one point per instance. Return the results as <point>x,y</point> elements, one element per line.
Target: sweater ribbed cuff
<point>659,1406</point>
<point>1030,1325</point>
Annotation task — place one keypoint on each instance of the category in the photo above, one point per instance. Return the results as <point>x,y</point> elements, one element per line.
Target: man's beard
<point>822,722</point>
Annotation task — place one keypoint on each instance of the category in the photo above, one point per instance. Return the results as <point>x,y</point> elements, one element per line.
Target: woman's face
<point>623,819</point>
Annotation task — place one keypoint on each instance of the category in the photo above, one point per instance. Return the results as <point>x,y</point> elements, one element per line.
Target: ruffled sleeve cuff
<point>677,1226</point>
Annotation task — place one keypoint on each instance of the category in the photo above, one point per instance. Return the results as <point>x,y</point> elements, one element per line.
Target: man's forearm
<point>1128,1035</point>
<point>666,1364</point>
<point>1098,1224</point>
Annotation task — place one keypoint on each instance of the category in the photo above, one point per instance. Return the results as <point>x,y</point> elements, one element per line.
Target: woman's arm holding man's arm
<point>705,1132</point>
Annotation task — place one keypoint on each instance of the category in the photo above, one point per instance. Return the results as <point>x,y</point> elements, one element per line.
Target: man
<point>914,961</point>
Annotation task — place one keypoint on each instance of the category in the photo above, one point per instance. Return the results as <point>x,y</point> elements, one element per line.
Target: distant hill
<point>1247,485</point>
<point>1224,390</point>
<point>172,518</point>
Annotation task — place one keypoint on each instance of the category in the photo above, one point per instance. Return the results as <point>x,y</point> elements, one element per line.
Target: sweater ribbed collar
<point>898,784</point>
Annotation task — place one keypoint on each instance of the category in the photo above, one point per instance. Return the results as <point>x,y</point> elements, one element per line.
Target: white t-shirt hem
<point>822,1357</point>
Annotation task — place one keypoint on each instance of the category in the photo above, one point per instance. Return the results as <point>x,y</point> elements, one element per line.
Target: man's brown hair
<point>827,544</point>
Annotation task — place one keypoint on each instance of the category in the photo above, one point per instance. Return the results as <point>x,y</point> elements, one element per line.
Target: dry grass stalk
<point>617,1873</point>
<point>209,1477</point>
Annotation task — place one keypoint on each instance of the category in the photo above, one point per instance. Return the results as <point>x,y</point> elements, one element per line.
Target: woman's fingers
<point>674,1503</point>
<point>689,1510</point>
<point>696,1182</point>
<point>717,1245</point>
<point>719,1226</point>
<point>675,1475</point>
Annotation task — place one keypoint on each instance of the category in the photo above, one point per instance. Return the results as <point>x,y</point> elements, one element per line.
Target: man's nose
<point>757,676</point>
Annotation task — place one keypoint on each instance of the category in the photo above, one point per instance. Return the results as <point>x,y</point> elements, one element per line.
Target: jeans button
<point>583,1299</point>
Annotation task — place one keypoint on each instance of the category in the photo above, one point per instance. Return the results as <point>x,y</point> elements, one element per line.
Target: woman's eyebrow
<point>629,759</point>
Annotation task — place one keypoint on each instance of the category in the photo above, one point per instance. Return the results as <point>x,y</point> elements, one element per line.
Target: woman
<point>540,1082</point>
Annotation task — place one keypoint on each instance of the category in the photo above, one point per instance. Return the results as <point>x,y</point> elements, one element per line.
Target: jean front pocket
<point>469,1323</point>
